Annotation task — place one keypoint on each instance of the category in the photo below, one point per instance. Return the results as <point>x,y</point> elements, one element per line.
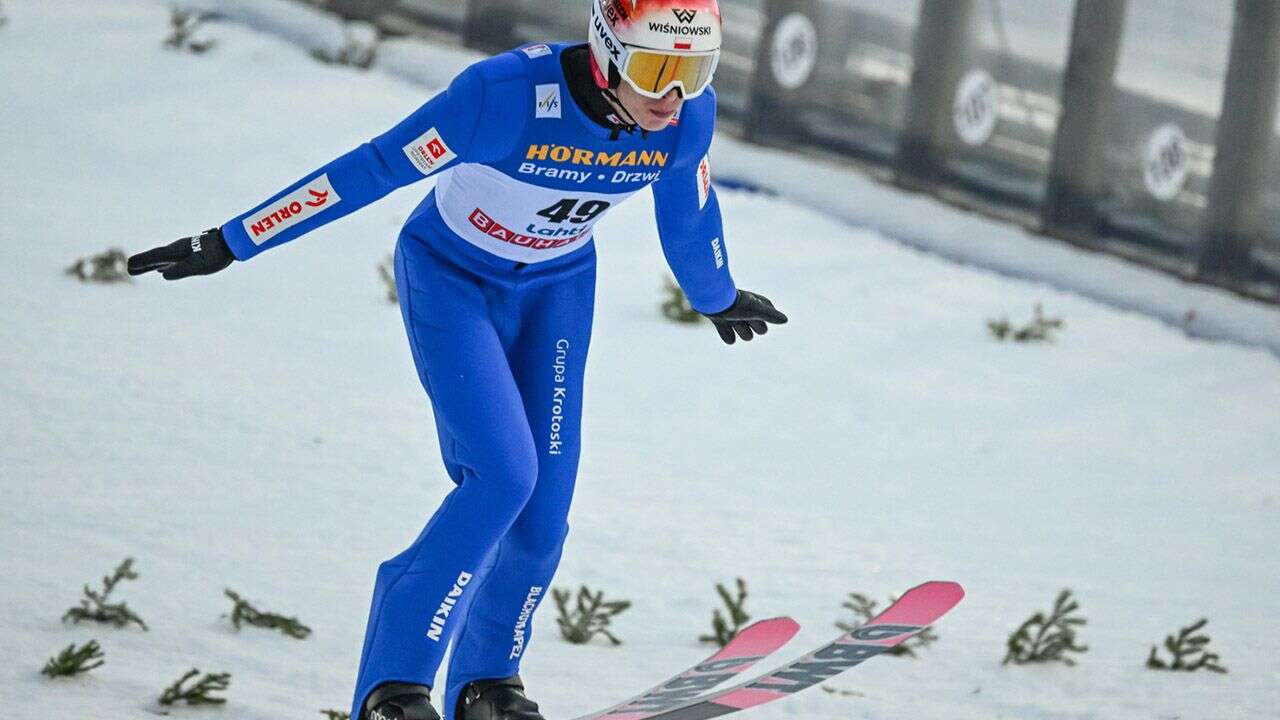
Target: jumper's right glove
<point>204,254</point>
<point>747,317</point>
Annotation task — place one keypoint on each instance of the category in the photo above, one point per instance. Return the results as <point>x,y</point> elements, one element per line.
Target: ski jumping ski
<point>675,699</point>
<point>751,645</point>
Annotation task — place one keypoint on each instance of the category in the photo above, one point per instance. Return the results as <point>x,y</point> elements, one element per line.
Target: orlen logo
<point>305,202</point>
<point>429,153</point>
<point>704,181</point>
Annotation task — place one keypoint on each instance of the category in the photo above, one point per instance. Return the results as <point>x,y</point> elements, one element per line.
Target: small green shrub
<point>388,276</point>
<point>106,267</point>
<point>198,694</point>
<point>95,608</point>
<point>1055,635</point>
<point>722,630</point>
<point>590,617</point>
<point>73,661</point>
<point>676,307</point>
<point>1040,329</point>
<point>183,25</point>
<point>244,613</point>
<point>1189,651</point>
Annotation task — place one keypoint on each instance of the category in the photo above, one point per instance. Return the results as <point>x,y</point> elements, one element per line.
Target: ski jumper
<point>496,277</point>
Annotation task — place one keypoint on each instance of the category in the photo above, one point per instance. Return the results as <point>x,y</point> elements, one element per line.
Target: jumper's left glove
<point>203,254</point>
<point>748,316</point>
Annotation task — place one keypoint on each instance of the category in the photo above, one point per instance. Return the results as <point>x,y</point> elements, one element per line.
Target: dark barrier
<point>1100,117</point>
<point>1077,179</point>
<point>1245,136</point>
<point>490,25</point>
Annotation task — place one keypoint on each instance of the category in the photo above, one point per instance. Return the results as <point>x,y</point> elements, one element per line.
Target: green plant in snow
<point>183,25</point>
<point>1040,329</point>
<point>389,279</point>
<point>244,613</point>
<point>590,616</point>
<point>1189,651</point>
<point>722,630</point>
<point>73,661</point>
<point>865,608</point>
<point>94,606</point>
<point>676,307</point>
<point>1047,638</point>
<point>106,267</point>
<point>198,694</point>
<point>336,714</point>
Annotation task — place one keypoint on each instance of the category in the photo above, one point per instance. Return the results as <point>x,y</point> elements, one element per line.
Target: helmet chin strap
<point>606,86</point>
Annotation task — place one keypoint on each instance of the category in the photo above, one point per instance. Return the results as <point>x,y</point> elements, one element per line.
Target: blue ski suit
<point>496,277</point>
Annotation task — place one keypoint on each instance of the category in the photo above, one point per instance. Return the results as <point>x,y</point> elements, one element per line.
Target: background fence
<point>1145,128</point>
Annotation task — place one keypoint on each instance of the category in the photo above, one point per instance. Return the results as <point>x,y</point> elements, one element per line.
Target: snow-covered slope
<point>263,429</point>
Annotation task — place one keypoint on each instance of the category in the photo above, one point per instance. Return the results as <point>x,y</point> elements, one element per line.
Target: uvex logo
<point>685,16</point>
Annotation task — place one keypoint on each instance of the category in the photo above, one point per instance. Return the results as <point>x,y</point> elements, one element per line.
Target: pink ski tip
<point>923,604</point>
<point>760,639</point>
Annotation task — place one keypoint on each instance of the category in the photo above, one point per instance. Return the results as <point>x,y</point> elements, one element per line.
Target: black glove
<point>204,254</point>
<point>746,317</point>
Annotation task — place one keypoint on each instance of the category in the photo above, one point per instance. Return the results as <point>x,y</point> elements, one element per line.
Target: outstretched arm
<point>447,129</point>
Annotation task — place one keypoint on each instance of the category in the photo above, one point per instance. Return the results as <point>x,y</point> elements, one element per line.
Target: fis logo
<point>685,16</point>
<point>548,97</point>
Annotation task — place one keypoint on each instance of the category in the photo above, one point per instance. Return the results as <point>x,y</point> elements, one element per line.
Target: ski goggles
<point>653,74</point>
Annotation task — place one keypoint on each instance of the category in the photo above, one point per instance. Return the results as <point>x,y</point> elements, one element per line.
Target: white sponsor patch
<point>704,181</point>
<point>306,202</point>
<point>429,153</point>
<point>548,97</point>
<point>536,51</point>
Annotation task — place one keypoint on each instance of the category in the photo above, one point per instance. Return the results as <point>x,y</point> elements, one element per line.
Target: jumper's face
<point>650,114</point>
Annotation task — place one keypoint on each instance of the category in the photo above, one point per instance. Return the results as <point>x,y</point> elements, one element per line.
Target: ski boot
<point>502,699</point>
<point>399,701</point>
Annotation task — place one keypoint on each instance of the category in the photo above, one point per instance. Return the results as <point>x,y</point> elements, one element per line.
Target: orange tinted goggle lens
<point>659,72</point>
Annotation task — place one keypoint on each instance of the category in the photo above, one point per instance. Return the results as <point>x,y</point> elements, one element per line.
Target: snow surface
<point>264,430</point>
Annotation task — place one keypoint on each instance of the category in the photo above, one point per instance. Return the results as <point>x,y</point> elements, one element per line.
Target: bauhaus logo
<point>685,16</point>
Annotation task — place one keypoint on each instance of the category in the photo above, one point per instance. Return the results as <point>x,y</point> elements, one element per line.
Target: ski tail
<point>751,645</point>
<point>918,608</point>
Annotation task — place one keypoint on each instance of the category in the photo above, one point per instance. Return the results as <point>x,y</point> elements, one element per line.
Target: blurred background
<point>1090,121</point>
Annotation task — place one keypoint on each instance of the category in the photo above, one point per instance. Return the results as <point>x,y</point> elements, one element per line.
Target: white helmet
<point>655,45</point>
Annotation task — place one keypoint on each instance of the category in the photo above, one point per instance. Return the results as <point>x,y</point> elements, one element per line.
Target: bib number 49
<point>574,210</point>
